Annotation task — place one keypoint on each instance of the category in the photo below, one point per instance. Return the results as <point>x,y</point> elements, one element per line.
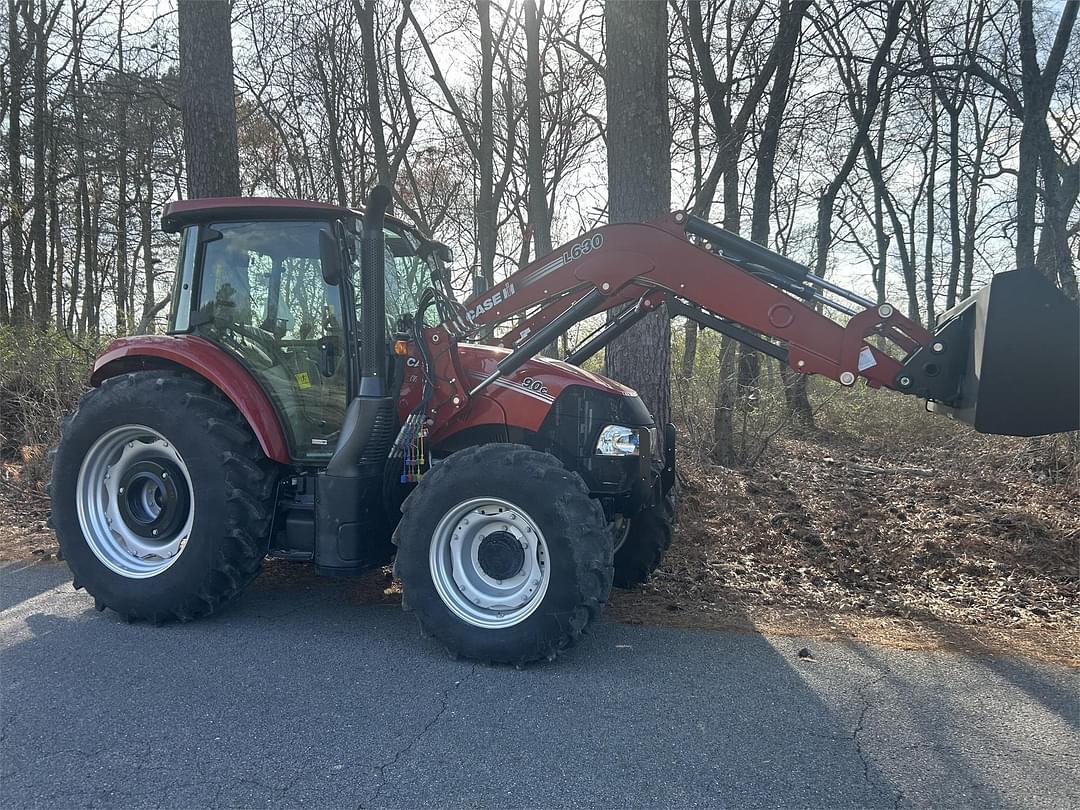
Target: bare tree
<point>366,15</point>
<point>18,59</point>
<point>791,20</point>
<point>539,215</point>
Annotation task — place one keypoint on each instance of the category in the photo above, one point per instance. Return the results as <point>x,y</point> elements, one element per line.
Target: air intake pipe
<point>373,294</point>
<point>349,514</point>
<point>369,424</point>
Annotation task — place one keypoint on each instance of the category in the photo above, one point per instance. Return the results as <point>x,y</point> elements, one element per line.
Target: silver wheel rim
<point>134,501</point>
<point>465,586</point>
<point>620,530</point>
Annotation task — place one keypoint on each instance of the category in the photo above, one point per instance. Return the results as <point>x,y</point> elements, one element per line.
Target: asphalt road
<point>298,696</point>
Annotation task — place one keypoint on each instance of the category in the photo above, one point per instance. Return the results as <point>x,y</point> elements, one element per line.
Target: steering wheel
<point>262,343</point>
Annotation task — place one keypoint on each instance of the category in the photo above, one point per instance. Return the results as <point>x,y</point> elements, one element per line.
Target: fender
<point>208,361</point>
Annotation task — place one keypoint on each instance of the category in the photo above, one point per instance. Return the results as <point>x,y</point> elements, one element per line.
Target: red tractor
<point>315,399</point>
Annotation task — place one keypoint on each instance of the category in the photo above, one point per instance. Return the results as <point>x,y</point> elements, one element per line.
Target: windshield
<point>407,271</point>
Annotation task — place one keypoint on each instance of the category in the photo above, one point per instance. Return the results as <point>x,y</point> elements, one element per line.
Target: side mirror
<point>330,257</point>
<point>429,247</point>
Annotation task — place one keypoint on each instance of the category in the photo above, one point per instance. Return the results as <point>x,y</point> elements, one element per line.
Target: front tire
<point>647,539</point>
<point>502,554</point>
<point>161,497</point>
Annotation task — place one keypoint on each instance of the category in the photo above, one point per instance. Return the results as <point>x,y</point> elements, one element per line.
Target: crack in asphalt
<point>861,691</point>
<point>444,701</point>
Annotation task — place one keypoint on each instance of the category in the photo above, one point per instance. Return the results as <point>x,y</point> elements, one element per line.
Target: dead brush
<point>41,379</point>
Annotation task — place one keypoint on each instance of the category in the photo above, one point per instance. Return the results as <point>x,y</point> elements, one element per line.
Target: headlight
<point>617,440</point>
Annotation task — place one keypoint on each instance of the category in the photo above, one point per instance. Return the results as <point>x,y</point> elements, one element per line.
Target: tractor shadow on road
<point>960,721</point>
<point>1014,670</point>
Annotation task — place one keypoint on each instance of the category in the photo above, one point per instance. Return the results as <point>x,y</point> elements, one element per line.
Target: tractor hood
<point>540,375</point>
<point>521,399</point>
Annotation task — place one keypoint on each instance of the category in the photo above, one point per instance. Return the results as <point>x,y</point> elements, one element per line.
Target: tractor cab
<point>251,279</point>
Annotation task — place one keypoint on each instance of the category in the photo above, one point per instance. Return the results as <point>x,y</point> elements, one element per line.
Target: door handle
<point>328,358</point>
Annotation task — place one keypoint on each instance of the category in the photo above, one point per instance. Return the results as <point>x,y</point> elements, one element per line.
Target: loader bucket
<point>1006,360</point>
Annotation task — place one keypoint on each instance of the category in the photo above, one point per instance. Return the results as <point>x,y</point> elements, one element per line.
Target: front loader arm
<point>622,263</point>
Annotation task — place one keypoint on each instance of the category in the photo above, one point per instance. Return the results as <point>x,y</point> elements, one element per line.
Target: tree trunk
<point>39,240</point>
<point>797,404</point>
<point>827,200</point>
<point>56,238</point>
<point>1060,186</point>
<point>81,194</point>
<point>5,304</point>
<point>207,98</point>
<point>955,238</point>
<point>931,200</point>
<point>121,293</point>
<point>690,338</point>
<point>146,240</point>
<point>639,176</point>
<point>971,217</point>
<point>723,449</point>
<point>539,216</point>
<point>1037,151</point>
<point>1026,194</point>
<point>19,312</point>
<point>539,224</point>
<point>881,243</point>
<point>487,215</point>
<point>329,90</point>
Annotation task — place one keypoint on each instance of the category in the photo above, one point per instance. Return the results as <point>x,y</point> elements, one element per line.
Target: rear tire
<point>459,560</point>
<point>179,423</point>
<point>647,539</point>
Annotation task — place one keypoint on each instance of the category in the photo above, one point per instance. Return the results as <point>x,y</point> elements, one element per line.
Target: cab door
<point>263,299</point>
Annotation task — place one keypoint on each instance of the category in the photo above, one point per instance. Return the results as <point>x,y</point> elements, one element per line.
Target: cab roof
<point>186,212</point>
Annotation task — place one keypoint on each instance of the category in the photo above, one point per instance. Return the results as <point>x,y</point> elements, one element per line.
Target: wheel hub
<point>620,530</point>
<point>134,500</point>
<point>489,562</point>
<point>500,555</point>
<point>152,498</point>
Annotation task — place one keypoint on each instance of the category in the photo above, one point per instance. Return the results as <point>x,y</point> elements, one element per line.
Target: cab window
<point>262,297</point>
<point>407,275</point>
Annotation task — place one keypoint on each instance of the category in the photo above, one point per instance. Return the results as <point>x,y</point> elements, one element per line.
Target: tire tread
<point>249,476</point>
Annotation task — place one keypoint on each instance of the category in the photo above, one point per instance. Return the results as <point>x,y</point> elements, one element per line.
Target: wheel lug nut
<point>164,475</point>
<point>154,532</point>
<point>120,491</point>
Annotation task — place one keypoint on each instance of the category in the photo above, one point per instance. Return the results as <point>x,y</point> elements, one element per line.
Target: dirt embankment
<point>972,547</point>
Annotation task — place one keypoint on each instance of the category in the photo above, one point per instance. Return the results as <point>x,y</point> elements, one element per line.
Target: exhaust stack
<point>1005,361</point>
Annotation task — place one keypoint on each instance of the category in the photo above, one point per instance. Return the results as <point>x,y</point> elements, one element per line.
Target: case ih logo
<point>495,298</point>
<point>582,248</point>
